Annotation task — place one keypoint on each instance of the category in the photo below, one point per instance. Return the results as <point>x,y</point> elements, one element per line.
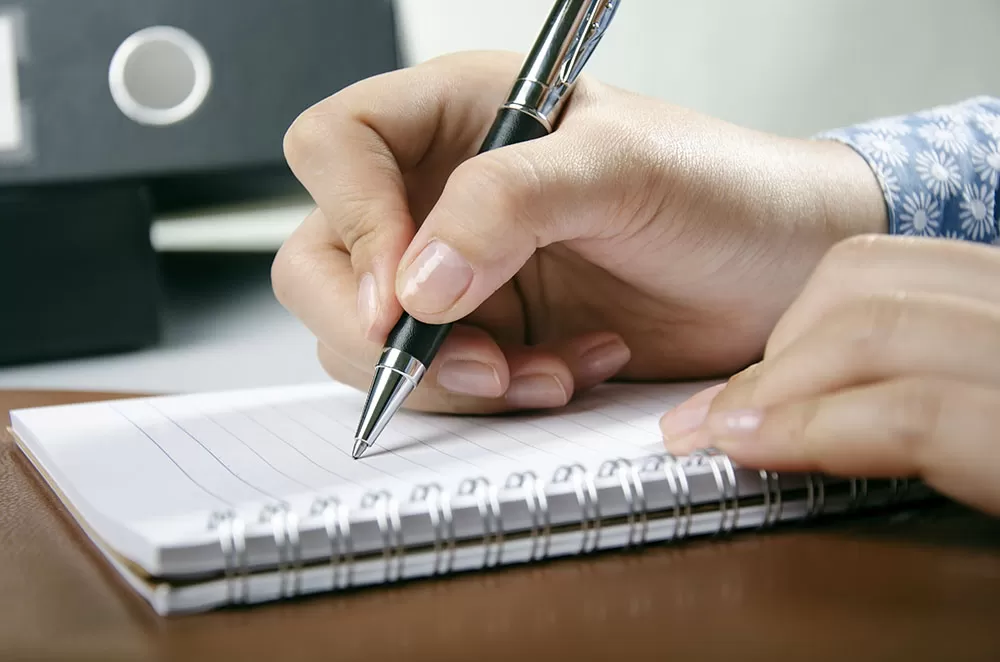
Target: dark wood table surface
<point>921,585</point>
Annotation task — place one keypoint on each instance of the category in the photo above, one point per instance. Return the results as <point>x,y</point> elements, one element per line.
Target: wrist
<point>815,195</point>
<point>848,191</point>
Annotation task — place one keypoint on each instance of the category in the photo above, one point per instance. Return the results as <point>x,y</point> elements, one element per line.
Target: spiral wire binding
<point>538,508</point>
<point>439,511</point>
<point>676,475</point>
<point>590,508</point>
<point>285,525</point>
<point>772,498</point>
<point>337,523</point>
<point>488,500</point>
<point>634,495</point>
<point>232,539</point>
<point>387,516</point>
<point>726,482</point>
<point>900,486</point>
<point>858,496</point>
<point>815,495</point>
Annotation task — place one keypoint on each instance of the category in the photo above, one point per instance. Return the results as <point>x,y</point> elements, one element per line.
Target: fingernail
<point>739,424</point>
<point>536,392</point>
<point>436,279</point>
<point>367,303</point>
<point>683,420</point>
<point>604,360</point>
<point>469,378</point>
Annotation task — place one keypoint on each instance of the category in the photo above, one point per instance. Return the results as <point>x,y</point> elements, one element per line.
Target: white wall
<point>788,66</point>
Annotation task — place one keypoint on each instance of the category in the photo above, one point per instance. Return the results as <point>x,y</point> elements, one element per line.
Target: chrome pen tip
<point>389,389</point>
<point>360,446</point>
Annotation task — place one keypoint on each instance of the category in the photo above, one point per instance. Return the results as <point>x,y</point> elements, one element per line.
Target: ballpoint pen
<point>531,110</point>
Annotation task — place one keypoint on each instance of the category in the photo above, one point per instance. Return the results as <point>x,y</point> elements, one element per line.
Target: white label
<point>11,137</point>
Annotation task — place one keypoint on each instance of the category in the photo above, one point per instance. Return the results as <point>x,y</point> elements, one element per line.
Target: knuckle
<point>869,326</point>
<point>809,428</point>
<point>849,254</point>
<point>510,181</point>
<point>914,413</point>
<point>282,277</point>
<point>354,230</point>
<point>363,245</point>
<point>299,138</point>
<point>362,218</point>
<point>291,268</point>
<point>305,133</point>
<point>739,390</point>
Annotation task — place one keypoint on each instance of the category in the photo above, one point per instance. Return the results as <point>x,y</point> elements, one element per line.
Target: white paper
<point>159,458</point>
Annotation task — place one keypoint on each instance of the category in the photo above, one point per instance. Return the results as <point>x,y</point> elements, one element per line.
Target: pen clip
<point>589,33</point>
<point>566,42</point>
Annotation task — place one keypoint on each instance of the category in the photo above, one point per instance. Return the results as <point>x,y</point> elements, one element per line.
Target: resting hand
<point>885,366</point>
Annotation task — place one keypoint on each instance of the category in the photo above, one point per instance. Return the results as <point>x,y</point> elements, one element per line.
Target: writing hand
<point>637,241</point>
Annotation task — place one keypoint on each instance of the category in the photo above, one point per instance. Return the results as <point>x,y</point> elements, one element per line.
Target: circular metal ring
<point>730,491</point>
<point>337,523</point>
<point>899,487</point>
<point>439,510</point>
<point>765,491</point>
<point>815,495</point>
<point>810,495</point>
<point>858,495</point>
<point>172,46</point>
<point>232,540</point>
<point>285,529</point>
<point>726,484</point>
<point>632,492</point>
<point>590,514</point>
<point>772,497</point>
<point>640,492</point>
<point>489,511</point>
<point>678,483</point>
<point>387,516</point>
<point>652,463</point>
<point>534,499</point>
<point>697,457</point>
<point>734,490</point>
<point>820,495</point>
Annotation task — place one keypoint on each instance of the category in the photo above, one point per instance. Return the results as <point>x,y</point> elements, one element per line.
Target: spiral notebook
<point>249,496</point>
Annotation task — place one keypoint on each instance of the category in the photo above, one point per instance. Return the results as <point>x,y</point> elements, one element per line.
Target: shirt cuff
<point>938,168</point>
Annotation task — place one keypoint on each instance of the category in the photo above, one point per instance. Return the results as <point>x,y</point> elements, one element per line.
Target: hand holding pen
<point>532,108</point>
<point>636,240</point>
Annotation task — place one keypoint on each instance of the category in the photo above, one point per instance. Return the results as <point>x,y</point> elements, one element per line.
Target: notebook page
<point>161,466</point>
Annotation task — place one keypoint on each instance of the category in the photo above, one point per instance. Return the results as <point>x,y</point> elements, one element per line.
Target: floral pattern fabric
<point>939,169</point>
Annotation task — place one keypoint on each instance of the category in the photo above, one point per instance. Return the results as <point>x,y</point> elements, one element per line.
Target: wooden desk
<point>905,587</point>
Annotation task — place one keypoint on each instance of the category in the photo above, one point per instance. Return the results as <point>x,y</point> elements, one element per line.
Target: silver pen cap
<point>567,40</point>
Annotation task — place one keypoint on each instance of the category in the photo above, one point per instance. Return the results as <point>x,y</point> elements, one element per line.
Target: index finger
<point>353,151</point>
<point>942,431</point>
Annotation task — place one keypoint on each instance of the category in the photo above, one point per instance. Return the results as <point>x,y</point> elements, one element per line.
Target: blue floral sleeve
<point>938,168</point>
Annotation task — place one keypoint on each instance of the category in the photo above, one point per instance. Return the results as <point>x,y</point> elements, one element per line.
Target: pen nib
<point>389,390</point>
<point>360,446</point>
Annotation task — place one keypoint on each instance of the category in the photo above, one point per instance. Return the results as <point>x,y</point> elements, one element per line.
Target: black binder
<point>86,173</point>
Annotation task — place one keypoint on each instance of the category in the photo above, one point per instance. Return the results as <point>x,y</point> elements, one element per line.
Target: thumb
<point>495,211</point>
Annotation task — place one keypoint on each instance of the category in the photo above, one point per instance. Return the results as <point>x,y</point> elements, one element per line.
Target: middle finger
<point>874,339</point>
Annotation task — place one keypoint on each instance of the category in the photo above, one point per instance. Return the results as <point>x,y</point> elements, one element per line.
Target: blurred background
<point>140,208</point>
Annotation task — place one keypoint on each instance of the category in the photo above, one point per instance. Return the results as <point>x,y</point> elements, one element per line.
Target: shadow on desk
<point>920,585</point>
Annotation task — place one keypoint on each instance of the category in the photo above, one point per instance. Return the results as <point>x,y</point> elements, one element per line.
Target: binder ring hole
<point>159,76</point>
